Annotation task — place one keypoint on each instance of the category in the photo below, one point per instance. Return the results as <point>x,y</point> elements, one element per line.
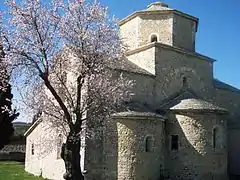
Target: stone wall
<point>13,152</point>
<point>127,156</point>
<point>12,156</point>
<point>231,101</point>
<point>233,151</point>
<point>41,153</point>
<point>93,150</point>
<point>170,28</point>
<point>159,24</point>
<point>110,146</point>
<point>137,32</point>
<point>170,65</point>
<point>173,64</point>
<point>145,59</point>
<point>184,31</point>
<point>144,91</point>
<point>196,158</point>
<point>129,33</point>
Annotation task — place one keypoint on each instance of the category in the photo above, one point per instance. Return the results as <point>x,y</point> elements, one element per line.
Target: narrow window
<point>154,38</point>
<point>216,138</point>
<point>184,81</point>
<point>149,144</point>
<point>32,149</point>
<point>59,146</point>
<point>174,142</point>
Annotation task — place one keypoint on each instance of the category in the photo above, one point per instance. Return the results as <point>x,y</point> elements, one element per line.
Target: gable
<point>32,127</point>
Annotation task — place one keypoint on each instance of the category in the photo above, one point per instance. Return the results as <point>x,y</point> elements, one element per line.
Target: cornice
<point>146,12</point>
<point>173,48</point>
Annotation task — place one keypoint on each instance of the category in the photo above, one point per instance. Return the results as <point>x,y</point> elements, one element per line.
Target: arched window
<point>59,146</point>
<point>32,149</point>
<point>217,140</point>
<point>154,38</point>
<point>149,144</point>
<point>184,82</point>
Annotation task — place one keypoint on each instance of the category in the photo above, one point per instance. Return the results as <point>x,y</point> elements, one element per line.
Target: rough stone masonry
<point>182,124</point>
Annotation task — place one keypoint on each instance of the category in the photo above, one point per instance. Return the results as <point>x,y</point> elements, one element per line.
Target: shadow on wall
<point>234,149</point>
<point>93,155</point>
<point>110,147</point>
<point>195,157</point>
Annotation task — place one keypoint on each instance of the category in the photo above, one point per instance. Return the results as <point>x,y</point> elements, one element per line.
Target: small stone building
<point>182,124</point>
<point>15,150</point>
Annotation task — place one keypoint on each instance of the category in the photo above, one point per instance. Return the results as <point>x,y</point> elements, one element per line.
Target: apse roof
<point>186,100</point>
<point>138,110</point>
<point>137,114</point>
<point>196,104</point>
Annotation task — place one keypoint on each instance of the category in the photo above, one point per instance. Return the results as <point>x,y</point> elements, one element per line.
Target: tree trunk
<point>71,156</point>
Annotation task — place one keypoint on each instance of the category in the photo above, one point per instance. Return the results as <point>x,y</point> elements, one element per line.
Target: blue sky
<point>218,33</point>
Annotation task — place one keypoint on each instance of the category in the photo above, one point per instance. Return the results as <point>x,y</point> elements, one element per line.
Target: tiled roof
<point>196,104</point>
<point>176,98</point>
<point>32,127</point>
<point>188,101</point>
<point>157,6</point>
<point>221,85</point>
<point>138,110</point>
<point>14,148</point>
<point>137,106</point>
<point>138,114</point>
<point>127,65</point>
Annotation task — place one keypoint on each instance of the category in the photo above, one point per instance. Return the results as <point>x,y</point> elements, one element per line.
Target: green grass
<point>15,171</point>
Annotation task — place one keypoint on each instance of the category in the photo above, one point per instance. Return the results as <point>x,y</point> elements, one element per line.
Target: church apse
<point>202,142</point>
<point>140,146</point>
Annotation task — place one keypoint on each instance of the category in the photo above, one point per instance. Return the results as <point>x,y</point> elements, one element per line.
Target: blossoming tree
<point>65,53</point>
<point>7,115</point>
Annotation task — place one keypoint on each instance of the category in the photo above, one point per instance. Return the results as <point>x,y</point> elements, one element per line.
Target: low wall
<point>12,156</point>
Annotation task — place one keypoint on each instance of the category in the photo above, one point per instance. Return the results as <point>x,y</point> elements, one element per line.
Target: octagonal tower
<point>159,23</point>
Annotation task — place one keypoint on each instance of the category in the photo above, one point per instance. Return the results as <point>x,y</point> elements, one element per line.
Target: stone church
<point>181,125</point>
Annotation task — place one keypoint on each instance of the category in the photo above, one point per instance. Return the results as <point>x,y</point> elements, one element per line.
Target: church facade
<point>181,124</point>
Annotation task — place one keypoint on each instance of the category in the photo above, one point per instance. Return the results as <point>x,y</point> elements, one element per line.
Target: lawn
<point>15,171</point>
